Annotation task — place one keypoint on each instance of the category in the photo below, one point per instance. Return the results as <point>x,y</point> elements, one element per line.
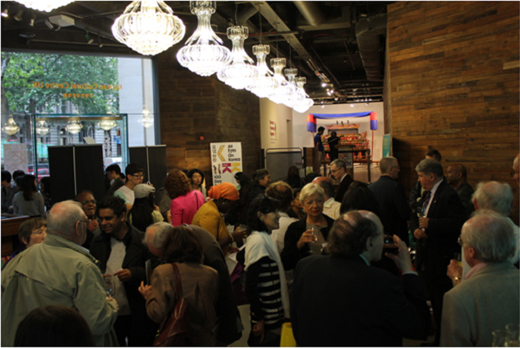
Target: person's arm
<point>176,211</point>
<point>41,203</point>
<point>91,302</point>
<point>159,299</point>
<point>450,224</point>
<point>15,205</point>
<point>291,254</point>
<point>455,323</point>
<point>252,290</point>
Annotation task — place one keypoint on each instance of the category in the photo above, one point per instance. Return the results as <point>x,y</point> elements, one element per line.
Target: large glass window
<point>75,88</point>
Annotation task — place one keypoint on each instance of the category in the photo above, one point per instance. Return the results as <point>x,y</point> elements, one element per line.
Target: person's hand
<point>402,258</point>
<point>419,234</point>
<point>124,275</point>
<point>156,207</point>
<point>238,234</point>
<point>259,330</point>
<point>145,290</point>
<point>454,270</point>
<point>307,237</point>
<point>169,216</point>
<point>423,222</point>
<point>232,250</point>
<point>92,225</point>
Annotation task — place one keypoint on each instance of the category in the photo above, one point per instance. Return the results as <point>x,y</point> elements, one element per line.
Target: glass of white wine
<point>109,285</point>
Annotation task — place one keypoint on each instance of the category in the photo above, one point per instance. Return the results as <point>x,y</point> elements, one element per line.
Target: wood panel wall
<point>454,86</point>
<point>192,106</point>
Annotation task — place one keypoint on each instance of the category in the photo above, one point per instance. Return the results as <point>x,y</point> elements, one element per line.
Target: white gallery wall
<point>302,138</point>
<point>275,125</point>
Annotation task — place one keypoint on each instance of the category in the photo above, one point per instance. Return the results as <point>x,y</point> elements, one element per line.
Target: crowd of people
<point>346,262</point>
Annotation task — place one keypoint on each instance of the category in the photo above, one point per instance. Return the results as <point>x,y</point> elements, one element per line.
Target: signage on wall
<point>272,130</point>
<point>85,88</point>
<point>226,161</point>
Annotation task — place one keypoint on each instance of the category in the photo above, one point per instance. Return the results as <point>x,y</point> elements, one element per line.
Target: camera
<point>390,246</point>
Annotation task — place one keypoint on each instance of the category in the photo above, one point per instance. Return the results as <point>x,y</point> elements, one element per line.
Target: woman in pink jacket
<point>185,201</point>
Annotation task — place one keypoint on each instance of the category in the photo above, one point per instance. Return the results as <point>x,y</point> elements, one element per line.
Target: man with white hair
<point>340,300</point>
<point>498,198</point>
<point>488,299</point>
<point>226,306</point>
<point>58,272</point>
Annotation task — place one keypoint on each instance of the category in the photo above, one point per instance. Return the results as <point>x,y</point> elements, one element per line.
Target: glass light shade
<point>147,120</point>
<point>44,5</point>
<point>281,91</point>
<point>148,27</point>
<point>10,127</point>
<point>107,124</point>
<point>291,86</point>
<point>42,128</point>
<point>264,83</point>
<point>241,72</point>
<point>73,126</point>
<point>302,102</point>
<point>203,52</point>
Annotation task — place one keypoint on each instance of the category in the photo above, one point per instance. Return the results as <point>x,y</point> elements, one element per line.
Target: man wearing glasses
<point>134,177</point>
<point>338,170</point>
<point>88,204</point>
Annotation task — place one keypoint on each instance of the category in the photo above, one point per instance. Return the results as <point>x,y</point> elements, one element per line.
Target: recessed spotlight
<point>323,84</point>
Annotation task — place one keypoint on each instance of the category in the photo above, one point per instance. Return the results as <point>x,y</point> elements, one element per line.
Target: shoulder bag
<point>174,329</point>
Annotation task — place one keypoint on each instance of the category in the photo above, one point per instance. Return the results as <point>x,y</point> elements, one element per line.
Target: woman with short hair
<point>185,201</point>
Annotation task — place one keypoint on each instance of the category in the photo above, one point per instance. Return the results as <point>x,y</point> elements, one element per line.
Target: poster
<point>226,161</point>
<point>387,145</point>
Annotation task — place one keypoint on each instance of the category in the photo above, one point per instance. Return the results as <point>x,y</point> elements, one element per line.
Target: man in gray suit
<point>488,299</point>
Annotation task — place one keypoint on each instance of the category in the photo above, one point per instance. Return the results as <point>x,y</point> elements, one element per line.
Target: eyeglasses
<point>334,170</point>
<point>39,231</point>
<point>138,176</point>
<point>93,201</point>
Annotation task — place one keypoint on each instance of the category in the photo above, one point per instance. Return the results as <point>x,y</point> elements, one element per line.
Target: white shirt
<point>114,264</point>
<point>125,193</point>
<point>432,194</point>
<point>331,208</point>
<point>278,235</point>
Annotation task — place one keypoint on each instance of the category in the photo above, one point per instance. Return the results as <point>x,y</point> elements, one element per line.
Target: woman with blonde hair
<point>185,201</point>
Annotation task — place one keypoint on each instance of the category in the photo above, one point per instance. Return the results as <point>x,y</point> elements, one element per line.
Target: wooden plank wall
<point>454,86</point>
<point>192,106</point>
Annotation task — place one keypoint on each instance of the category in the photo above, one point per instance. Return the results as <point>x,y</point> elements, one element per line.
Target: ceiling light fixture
<point>107,124</point>
<point>203,53</point>
<point>303,102</point>
<point>241,72</point>
<point>148,27</point>
<point>10,127</point>
<point>264,83</point>
<point>5,10</point>
<point>18,16</point>
<point>73,126</point>
<point>44,5</point>
<point>146,120</point>
<point>280,92</point>
<point>42,128</point>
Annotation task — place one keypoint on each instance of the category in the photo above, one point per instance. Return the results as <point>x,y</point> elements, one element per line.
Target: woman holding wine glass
<point>307,236</point>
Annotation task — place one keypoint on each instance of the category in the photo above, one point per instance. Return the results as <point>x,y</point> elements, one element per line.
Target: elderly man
<point>393,207</point>
<point>456,176</point>
<point>492,196</point>
<point>340,300</point>
<point>88,204</point>
<point>488,299</point>
<point>227,329</point>
<point>436,232</point>
<point>338,170</point>
<point>331,207</point>
<point>58,271</point>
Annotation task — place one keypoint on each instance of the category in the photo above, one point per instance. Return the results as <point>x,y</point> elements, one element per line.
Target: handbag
<point>174,329</point>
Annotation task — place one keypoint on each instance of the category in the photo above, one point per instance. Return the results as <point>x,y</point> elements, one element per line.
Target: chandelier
<point>147,120</point>
<point>73,126</point>
<point>107,124</point>
<point>302,101</point>
<point>264,83</point>
<point>42,128</point>
<point>44,5</point>
<point>291,87</point>
<point>241,72</point>
<point>203,52</point>
<point>148,27</point>
<point>281,91</point>
<point>10,127</point>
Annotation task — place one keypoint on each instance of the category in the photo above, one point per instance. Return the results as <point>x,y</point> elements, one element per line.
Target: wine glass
<point>109,284</point>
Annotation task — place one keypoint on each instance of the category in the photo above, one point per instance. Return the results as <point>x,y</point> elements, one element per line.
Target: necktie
<point>426,202</point>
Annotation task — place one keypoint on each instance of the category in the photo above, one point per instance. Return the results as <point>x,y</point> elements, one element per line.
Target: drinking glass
<point>109,284</point>
<point>499,338</point>
<point>512,335</point>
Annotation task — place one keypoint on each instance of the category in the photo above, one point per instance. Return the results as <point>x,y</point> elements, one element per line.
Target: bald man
<point>456,176</point>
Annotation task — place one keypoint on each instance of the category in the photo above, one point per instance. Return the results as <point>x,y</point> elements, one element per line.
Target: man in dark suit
<point>436,233</point>
<point>340,300</point>
<point>393,207</point>
<point>338,170</point>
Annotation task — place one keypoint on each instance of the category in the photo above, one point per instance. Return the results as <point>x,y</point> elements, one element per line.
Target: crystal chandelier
<point>264,83</point>
<point>148,27</point>
<point>203,52</point>
<point>302,101</point>
<point>107,124</point>
<point>42,128</point>
<point>44,5</point>
<point>291,87</point>
<point>73,126</point>
<point>10,127</point>
<point>281,91</point>
<point>147,120</point>
<point>241,72</point>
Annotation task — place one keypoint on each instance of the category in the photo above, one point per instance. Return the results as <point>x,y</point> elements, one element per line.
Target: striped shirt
<point>264,293</point>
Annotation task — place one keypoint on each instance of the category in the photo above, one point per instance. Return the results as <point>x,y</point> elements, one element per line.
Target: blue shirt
<point>317,140</point>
